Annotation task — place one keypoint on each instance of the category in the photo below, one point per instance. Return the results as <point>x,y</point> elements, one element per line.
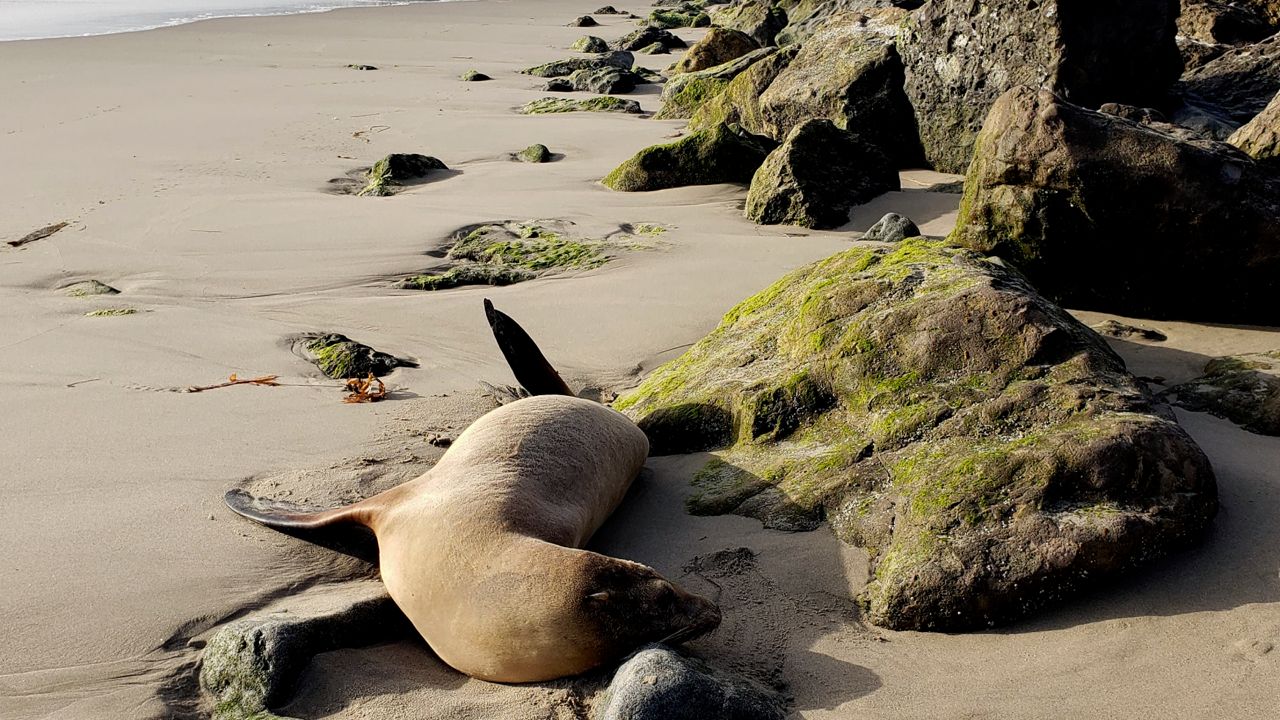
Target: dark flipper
<point>527,362</point>
<point>286,515</point>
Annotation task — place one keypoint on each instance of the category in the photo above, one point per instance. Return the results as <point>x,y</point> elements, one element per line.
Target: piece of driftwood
<point>40,234</point>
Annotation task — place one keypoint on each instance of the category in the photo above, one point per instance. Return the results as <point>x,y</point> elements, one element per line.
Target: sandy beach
<point>192,164</point>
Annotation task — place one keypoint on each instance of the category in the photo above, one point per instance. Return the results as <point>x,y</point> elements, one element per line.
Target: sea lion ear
<point>599,597</point>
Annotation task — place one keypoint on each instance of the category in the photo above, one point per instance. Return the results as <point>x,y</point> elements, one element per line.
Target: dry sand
<point>192,163</point>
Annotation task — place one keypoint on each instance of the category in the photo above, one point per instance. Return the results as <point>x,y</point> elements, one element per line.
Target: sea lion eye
<point>599,597</point>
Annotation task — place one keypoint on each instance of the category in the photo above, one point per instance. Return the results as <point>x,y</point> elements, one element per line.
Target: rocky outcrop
<point>619,59</point>
<point>717,47</point>
<point>962,55</point>
<point>851,76</point>
<point>1244,389</point>
<point>684,93</point>
<point>816,174</point>
<point>1260,138</point>
<point>658,683</point>
<point>389,174</point>
<point>604,103</point>
<point>720,154</point>
<point>646,36</point>
<point>761,19</point>
<point>739,102</point>
<point>1238,84</point>
<point>341,358</point>
<point>1106,214</point>
<point>892,228</point>
<point>990,452</point>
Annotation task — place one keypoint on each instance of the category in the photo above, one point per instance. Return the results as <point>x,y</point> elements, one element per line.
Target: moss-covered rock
<point>511,252</point>
<point>739,102</point>
<point>1244,389</point>
<point>654,49</point>
<point>603,81</point>
<point>849,75</point>
<point>389,174</point>
<point>686,92</point>
<point>112,312</point>
<point>816,175</point>
<point>647,36</point>
<point>563,68</point>
<point>605,103</point>
<point>536,153</point>
<point>584,21</point>
<point>1260,137</point>
<point>678,17</point>
<point>761,19</point>
<point>474,76</point>
<point>721,154</point>
<point>590,44</point>
<point>341,358</point>
<point>1105,214</point>
<point>717,47</point>
<point>990,452</point>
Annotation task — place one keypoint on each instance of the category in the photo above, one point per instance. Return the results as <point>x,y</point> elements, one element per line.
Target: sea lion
<point>483,552</point>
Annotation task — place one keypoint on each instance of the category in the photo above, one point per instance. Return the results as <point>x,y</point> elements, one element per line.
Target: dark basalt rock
<point>962,55</point>
<point>892,228</point>
<point>816,175</point>
<point>585,21</point>
<point>1106,214</point>
<point>716,155</point>
<point>609,10</point>
<point>989,451</point>
<point>341,358</point>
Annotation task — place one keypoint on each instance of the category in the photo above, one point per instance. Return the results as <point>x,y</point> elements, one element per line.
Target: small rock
<point>657,683</point>
<point>608,10</point>
<point>536,153</point>
<point>647,36</point>
<point>474,76</point>
<point>340,357</point>
<point>590,44</point>
<point>655,49</point>
<point>606,103</point>
<point>87,288</point>
<point>585,21</point>
<point>892,228</point>
<point>355,66</point>
<point>558,85</point>
<point>397,169</point>
<point>1112,328</point>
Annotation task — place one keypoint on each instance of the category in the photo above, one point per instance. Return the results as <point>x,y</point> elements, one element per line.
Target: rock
<point>603,80</point>
<point>658,683</point>
<point>1105,214</point>
<point>1260,138</point>
<point>816,175</point>
<point>892,228</point>
<point>717,47</point>
<point>761,19</point>
<point>1244,389</point>
<point>1196,53</point>
<point>561,68</point>
<point>474,76</point>
<point>590,44</point>
<point>355,66</point>
<point>467,274</point>
<point>739,102</point>
<point>807,17</point>
<point>341,358</point>
<point>536,153</point>
<point>716,155</point>
<point>962,55</point>
<point>88,288</point>
<point>646,36</point>
<point>1214,21</point>
<point>680,17</point>
<point>1131,112</point>
<point>604,103</point>
<point>511,252</point>
<point>1239,83</point>
<point>655,49</point>
<point>990,452</point>
<point>558,85</point>
<point>585,21</point>
<point>253,663</point>
<point>852,77</point>
<point>1115,329</point>
<point>685,93</point>
<point>608,10</point>
<point>1203,121</point>
<point>397,169</point>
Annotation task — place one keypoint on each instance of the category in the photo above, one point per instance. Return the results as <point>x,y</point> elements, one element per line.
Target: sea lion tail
<point>527,362</point>
<point>285,515</point>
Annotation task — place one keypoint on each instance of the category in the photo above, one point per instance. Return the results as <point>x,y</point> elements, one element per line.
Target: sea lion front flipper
<point>527,362</point>
<point>282,515</point>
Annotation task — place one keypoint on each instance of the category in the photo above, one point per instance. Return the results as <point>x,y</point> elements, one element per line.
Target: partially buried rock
<point>717,47</point>
<point>536,153</point>
<point>1244,389</point>
<point>474,76</point>
<point>585,21</point>
<point>991,453</point>
<point>654,49</point>
<point>603,81</point>
<point>341,358</point>
<point>716,155</point>
<point>658,683</point>
<point>590,44</point>
<point>356,66</point>
<point>679,17</point>
<point>88,288</point>
<point>560,68</point>
<point>1104,214</point>
<point>1260,138</point>
<point>511,252</point>
<point>647,36</point>
<point>1122,331</point>
<point>686,92</point>
<point>816,175</point>
<point>552,105</point>
<point>892,228</point>
<point>390,173</point>
<point>608,10</point>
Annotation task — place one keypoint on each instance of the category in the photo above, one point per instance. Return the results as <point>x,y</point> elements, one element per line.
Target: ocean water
<point>30,19</point>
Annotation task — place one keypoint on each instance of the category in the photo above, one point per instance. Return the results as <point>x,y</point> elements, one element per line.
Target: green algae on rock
<point>739,102</point>
<point>590,44</point>
<point>474,76</point>
<point>1244,389</point>
<point>717,47</point>
<point>552,105</point>
<point>511,252</point>
<point>535,153</point>
<point>112,312</point>
<point>560,68</point>
<point>761,19</point>
<point>685,92</point>
<point>341,358</point>
<point>390,173</point>
<point>680,17</point>
<point>990,452</point>
<point>721,154</point>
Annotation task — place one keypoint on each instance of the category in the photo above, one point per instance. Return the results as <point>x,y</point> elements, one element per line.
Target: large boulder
<point>990,452</point>
<point>761,19</point>
<point>658,683</point>
<point>816,175</point>
<point>684,93</point>
<point>1107,214</point>
<point>1239,83</point>
<point>739,102</point>
<point>721,154</point>
<point>962,55</point>
<point>851,76</point>
<point>1244,389</point>
<point>717,47</point>
<point>1260,138</point>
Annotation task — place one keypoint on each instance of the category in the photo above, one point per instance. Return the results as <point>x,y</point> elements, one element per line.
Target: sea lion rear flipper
<point>527,362</point>
<point>278,514</point>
